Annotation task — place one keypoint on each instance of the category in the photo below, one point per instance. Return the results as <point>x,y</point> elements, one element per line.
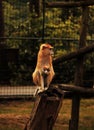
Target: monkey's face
<point>47,49</point>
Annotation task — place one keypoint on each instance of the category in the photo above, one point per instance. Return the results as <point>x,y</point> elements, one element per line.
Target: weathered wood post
<point>79,72</point>
<point>45,110</point>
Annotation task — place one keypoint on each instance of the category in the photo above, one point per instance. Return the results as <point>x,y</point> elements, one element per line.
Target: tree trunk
<point>45,111</point>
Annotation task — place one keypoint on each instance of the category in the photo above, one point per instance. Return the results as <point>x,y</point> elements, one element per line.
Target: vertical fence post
<point>43,28</point>
<point>73,125</point>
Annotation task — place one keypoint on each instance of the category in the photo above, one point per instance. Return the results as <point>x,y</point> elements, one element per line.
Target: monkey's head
<point>46,49</point>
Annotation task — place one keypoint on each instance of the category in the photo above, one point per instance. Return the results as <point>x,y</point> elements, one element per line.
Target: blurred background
<point>25,24</point>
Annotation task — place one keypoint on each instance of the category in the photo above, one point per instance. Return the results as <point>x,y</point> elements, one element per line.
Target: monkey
<point>44,72</point>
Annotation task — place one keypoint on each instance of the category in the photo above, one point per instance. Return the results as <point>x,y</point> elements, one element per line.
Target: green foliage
<point>55,27</point>
<point>25,31</point>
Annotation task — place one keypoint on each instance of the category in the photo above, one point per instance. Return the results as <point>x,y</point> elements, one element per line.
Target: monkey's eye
<point>44,47</point>
<point>50,48</point>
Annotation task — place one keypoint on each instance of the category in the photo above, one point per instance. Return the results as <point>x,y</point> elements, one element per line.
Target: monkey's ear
<point>44,46</point>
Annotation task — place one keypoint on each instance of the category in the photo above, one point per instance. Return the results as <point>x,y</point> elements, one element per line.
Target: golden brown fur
<point>44,62</point>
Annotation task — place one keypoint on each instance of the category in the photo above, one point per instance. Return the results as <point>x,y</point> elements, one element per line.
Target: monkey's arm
<point>36,77</point>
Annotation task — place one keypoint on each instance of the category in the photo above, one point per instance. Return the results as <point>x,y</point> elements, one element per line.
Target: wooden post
<point>73,125</point>
<point>75,54</point>
<point>69,4</point>
<point>46,109</point>
<point>34,5</point>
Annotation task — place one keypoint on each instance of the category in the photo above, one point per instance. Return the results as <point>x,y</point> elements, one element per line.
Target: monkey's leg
<point>45,82</point>
<point>42,82</point>
<point>41,88</point>
<point>45,75</point>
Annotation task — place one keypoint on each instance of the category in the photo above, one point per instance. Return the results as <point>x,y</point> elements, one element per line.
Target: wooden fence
<point>48,103</point>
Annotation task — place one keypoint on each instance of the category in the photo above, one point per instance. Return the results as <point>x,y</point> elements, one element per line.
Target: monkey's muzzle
<point>52,53</point>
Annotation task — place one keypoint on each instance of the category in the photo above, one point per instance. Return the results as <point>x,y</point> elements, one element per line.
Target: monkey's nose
<point>52,53</point>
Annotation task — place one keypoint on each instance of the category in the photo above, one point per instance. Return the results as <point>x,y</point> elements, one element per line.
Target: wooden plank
<point>75,88</point>
<point>69,4</point>
<point>75,54</point>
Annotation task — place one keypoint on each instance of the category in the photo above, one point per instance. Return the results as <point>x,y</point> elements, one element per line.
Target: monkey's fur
<point>44,72</point>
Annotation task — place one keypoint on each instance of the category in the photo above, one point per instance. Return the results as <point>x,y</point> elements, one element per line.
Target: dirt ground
<point>13,120</point>
<point>15,114</point>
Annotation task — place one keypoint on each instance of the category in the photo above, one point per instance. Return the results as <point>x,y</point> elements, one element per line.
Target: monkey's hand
<point>45,71</point>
